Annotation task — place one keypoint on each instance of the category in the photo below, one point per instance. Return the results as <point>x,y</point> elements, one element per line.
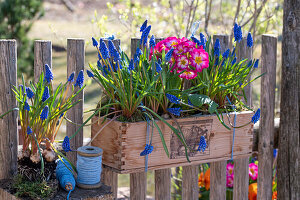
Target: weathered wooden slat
<point>190,190</point>
<point>163,184</point>
<point>241,165</point>
<point>289,139</point>
<point>218,169</point>
<point>267,105</point>
<point>42,56</point>
<point>8,125</point>
<point>138,186</point>
<point>75,62</point>
<point>110,178</point>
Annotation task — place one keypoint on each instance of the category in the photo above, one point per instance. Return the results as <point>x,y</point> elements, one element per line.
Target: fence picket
<point>241,165</point>
<point>42,56</point>
<point>267,104</point>
<point>75,62</point>
<point>218,169</point>
<point>190,189</point>
<point>8,125</point>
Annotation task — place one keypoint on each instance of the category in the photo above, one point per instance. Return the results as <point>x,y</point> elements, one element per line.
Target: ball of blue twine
<point>89,167</point>
<point>65,176</point>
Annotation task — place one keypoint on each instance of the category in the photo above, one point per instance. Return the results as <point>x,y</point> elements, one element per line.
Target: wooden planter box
<point>122,142</point>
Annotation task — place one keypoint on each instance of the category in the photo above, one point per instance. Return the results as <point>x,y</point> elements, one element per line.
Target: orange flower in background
<point>207,179</point>
<point>252,195</point>
<point>274,196</point>
<point>201,180</point>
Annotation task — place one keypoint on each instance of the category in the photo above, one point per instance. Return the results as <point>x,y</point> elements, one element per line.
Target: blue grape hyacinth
<point>196,41</point>
<point>46,94</point>
<point>256,116</point>
<point>145,34</point>
<point>29,130</point>
<point>217,48</point>
<point>89,73</point>
<point>26,106</point>
<point>71,77</point>
<point>152,42</point>
<point>144,25</point>
<point>66,144</point>
<point>202,40</point>
<point>237,32</point>
<point>80,79</point>
<point>48,74</point>
<point>226,54</point>
<point>131,65</point>
<point>29,92</point>
<point>202,144</point>
<point>256,63</point>
<point>174,111</point>
<point>95,43</point>
<point>169,55</point>
<point>233,61</point>
<point>158,67</point>
<point>113,51</point>
<point>104,50</point>
<point>173,99</point>
<point>45,113</point>
<point>148,149</point>
<point>249,40</point>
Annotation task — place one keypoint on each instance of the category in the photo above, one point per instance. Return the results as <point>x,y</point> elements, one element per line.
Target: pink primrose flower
<point>230,181</point>
<point>253,171</point>
<point>187,74</point>
<point>199,59</point>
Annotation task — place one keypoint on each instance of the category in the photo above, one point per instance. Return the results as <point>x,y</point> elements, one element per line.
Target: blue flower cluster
<point>103,50</point>
<point>217,47</point>
<point>152,42</point>
<point>29,131</point>
<point>173,99</point>
<point>29,92</point>
<point>174,111</point>
<point>226,53</point>
<point>26,106</point>
<point>233,61</point>
<point>237,32</point>
<point>145,34</point>
<point>256,63</point>
<point>137,55</point>
<point>113,51</point>
<point>144,25</point>
<point>256,116</point>
<point>196,41</point>
<point>45,113</point>
<point>89,73</point>
<point>148,149</point>
<point>202,40</point>
<point>131,65</point>
<point>48,74</point>
<point>71,77</point>
<point>249,40</point>
<point>169,55</point>
<point>46,94</point>
<point>158,67</point>
<point>80,79</point>
<point>202,144</point>
<point>95,43</point>
<point>66,144</point>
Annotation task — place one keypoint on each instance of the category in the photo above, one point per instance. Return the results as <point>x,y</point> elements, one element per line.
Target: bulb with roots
<point>35,158</point>
<point>49,155</point>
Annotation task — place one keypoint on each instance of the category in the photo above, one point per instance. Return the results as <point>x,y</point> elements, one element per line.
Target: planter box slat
<point>122,143</point>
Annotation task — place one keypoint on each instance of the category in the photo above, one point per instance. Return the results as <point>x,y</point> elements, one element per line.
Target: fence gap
<point>267,105</point>
<point>241,165</point>
<point>8,125</point>
<point>75,62</point>
<point>42,56</point>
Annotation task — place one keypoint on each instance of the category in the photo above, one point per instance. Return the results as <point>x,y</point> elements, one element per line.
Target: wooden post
<point>163,184</point>
<point>75,62</point>
<point>190,189</point>
<point>267,104</point>
<point>162,176</point>
<point>42,56</point>
<point>110,178</point>
<point>138,181</point>
<point>289,149</point>
<point>218,169</point>
<point>241,165</point>
<point>8,125</point>
<point>138,186</point>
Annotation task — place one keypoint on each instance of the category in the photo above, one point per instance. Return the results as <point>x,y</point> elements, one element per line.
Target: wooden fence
<point>263,137</point>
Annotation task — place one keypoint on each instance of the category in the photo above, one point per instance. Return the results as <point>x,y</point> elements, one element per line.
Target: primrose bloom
<point>199,59</point>
<point>253,171</point>
<point>182,62</point>
<point>229,169</point>
<point>187,74</point>
<point>171,42</point>
<point>229,181</point>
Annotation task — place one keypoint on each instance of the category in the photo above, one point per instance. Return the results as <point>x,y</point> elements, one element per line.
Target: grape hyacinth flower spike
<point>217,47</point>
<point>148,149</point>
<point>95,43</point>
<point>48,74</point>
<point>145,34</point>
<point>237,32</point>
<point>173,99</point>
<point>169,55</point>
<point>80,79</point>
<point>144,25</point>
<point>29,130</point>
<point>89,73</point>
<point>152,42</point>
<point>66,144</point>
<point>29,92</point>
<point>26,106</point>
<point>104,50</point>
<point>46,94</point>
<point>202,144</point>
<point>174,111</point>
<point>202,40</point>
<point>249,40</point>
<point>71,77</point>
<point>256,116</point>
<point>158,67</point>
<point>256,63</point>
<point>45,113</point>
<point>131,65</point>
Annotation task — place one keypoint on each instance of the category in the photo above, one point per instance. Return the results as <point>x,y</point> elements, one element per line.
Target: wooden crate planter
<point>122,142</point>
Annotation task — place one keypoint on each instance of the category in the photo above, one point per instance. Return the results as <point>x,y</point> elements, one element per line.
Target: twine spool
<point>89,167</point>
<point>65,176</point>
